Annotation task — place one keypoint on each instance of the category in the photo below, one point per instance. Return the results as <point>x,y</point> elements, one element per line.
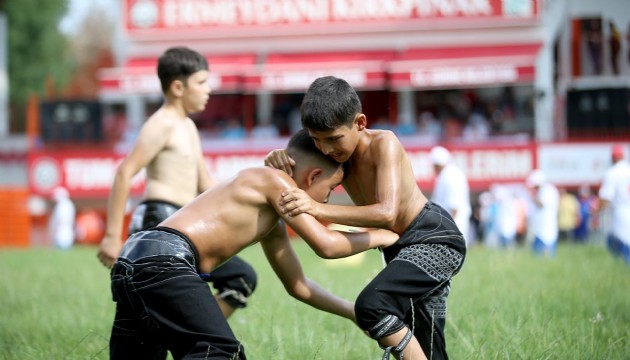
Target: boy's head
<point>183,73</point>
<point>329,103</point>
<point>314,172</point>
<point>331,112</point>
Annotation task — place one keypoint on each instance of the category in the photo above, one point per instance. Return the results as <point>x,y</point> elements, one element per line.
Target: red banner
<point>463,76</point>
<point>154,18</point>
<point>90,174</point>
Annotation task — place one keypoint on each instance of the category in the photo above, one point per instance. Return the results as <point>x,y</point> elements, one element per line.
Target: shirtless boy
<point>161,300</point>
<point>168,147</point>
<point>408,297</point>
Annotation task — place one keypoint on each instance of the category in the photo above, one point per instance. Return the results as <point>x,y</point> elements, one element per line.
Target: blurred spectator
<point>429,127</point>
<point>233,129</point>
<point>594,42</point>
<point>615,47</point>
<point>451,189</point>
<point>487,214</point>
<point>568,214</point>
<point>264,129</point>
<point>588,207</point>
<point>521,218</point>
<point>114,123</point>
<point>476,129</point>
<point>615,196</point>
<point>62,219</point>
<point>506,221</point>
<point>406,125</point>
<point>452,125</point>
<point>380,123</point>
<point>545,216</point>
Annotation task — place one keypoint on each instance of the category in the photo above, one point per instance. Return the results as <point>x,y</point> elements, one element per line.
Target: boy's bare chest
<point>360,184</point>
<point>182,141</point>
<point>180,152</point>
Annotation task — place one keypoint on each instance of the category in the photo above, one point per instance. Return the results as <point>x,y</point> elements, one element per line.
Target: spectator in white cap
<point>62,219</point>
<point>451,190</point>
<point>545,217</point>
<point>615,197</point>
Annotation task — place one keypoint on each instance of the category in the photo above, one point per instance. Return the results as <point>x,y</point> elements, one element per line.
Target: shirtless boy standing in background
<point>169,148</point>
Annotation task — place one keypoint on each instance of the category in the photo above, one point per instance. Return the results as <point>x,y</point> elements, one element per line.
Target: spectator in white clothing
<point>62,219</point>
<point>545,216</point>
<point>451,190</point>
<point>614,196</point>
<point>506,221</point>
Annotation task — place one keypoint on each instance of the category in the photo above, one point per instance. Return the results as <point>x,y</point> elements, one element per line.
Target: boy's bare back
<point>232,215</point>
<point>244,210</point>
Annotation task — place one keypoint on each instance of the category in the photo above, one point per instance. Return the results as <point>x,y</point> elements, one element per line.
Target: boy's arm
<point>286,265</point>
<point>382,214</point>
<point>327,243</point>
<point>150,141</point>
<point>205,179</point>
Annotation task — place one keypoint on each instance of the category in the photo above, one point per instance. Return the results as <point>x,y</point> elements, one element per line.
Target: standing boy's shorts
<point>412,289</point>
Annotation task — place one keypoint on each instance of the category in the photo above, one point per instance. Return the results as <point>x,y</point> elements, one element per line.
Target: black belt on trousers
<point>159,241</point>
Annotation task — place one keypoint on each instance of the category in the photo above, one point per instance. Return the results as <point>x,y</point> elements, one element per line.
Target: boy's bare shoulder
<point>267,177</point>
<point>383,138</point>
<point>161,119</point>
<point>383,134</point>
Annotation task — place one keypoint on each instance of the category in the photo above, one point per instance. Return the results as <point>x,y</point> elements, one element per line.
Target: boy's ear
<point>360,121</point>
<point>177,88</point>
<point>313,174</point>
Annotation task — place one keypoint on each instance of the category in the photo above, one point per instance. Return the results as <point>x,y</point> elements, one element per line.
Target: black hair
<point>329,103</point>
<point>178,63</point>
<point>301,146</point>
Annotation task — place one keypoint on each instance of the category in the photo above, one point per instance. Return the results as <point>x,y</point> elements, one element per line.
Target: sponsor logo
<point>46,174</point>
<point>143,14</point>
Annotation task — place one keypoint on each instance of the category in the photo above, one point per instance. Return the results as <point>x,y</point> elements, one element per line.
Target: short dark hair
<point>178,63</point>
<point>329,103</point>
<point>302,147</point>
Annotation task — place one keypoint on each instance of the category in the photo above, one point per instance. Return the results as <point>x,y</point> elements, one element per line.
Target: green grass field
<point>503,305</point>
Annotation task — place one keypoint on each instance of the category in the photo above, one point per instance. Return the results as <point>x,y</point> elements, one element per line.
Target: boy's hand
<point>279,159</point>
<point>295,201</point>
<point>108,251</point>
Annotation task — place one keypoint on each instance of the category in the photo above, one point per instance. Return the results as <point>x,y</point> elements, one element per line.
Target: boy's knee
<point>375,315</point>
<point>249,278</point>
<point>236,291</point>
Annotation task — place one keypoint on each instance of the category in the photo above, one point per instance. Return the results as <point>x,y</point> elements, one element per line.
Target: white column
<point>264,108</point>
<point>555,16</point>
<point>406,107</point>
<point>135,111</point>
<point>543,88</point>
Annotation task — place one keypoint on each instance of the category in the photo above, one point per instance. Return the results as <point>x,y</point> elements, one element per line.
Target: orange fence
<point>15,221</point>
